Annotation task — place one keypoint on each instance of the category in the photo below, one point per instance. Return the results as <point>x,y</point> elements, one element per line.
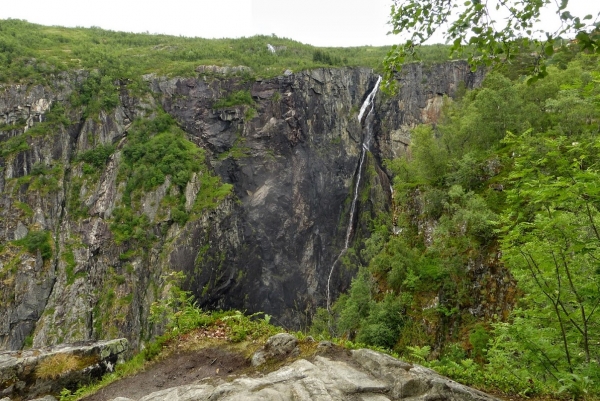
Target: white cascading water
<point>365,148</point>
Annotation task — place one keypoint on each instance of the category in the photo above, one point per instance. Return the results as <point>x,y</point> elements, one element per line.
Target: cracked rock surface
<point>363,375</point>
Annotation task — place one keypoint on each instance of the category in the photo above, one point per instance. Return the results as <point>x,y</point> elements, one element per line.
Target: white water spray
<point>365,148</point>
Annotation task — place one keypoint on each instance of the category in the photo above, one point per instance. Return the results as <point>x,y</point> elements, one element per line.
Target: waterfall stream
<point>367,137</point>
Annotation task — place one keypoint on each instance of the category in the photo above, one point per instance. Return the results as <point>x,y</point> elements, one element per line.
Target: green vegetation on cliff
<point>492,276</point>
<point>156,151</point>
<point>29,52</point>
<point>36,241</point>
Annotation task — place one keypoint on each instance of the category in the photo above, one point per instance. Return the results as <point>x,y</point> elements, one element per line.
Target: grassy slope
<point>29,51</point>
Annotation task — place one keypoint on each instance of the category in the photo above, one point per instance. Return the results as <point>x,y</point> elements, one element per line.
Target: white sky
<point>316,22</point>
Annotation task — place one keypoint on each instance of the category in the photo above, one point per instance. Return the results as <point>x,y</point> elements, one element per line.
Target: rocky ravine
<point>291,157</point>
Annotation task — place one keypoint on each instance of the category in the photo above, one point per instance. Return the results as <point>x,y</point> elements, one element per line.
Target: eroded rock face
<point>291,156</point>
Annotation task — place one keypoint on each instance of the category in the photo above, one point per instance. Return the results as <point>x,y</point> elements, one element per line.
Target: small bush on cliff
<point>37,240</point>
<point>235,99</point>
<point>178,310</point>
<point>14,145</point>
<point>98,156</point>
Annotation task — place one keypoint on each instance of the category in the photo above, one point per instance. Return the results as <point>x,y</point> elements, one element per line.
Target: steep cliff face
<point>291,157</point>
<point>420,100</point>
<point>86,242</point>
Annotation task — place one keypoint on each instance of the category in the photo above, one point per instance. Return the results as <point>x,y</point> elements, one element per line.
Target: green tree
<point>552,245</point>
<point>488,31</point>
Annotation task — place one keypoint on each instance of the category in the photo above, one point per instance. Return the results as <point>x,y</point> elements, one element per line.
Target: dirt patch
<point>182,367</point>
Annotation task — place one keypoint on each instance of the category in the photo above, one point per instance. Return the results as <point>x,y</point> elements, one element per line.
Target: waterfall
<point>368,135</point>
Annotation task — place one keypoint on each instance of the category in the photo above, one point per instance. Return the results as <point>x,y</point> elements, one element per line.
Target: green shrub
<point>37,240</point>
<point>98,156</point>
<point>16,144</point>
<point>479,339</point>
<point>234,99</point>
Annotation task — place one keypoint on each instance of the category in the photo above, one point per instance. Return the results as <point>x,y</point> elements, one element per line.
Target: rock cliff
<point>87,244</point>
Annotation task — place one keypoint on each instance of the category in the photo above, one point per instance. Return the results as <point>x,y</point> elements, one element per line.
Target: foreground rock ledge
<point>20,371</point>
<point>365,375</point>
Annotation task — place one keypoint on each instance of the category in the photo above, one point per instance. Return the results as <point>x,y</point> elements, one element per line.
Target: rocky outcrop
<point>357,375</point>
<point>27,374</point>
<point>291,153</point>
<point>279,346</point>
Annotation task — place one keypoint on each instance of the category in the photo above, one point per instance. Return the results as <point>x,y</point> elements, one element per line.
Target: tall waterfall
<point>367,137</point>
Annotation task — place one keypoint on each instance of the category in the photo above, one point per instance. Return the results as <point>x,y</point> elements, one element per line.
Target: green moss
<point>250,113</point>
<point>28,342</point>
<point>119,279</point>
<point>19,125</point>
<point>128,255</point>
<point>211,193</point>
<point>45,179</point>
<point>69,258</point>
<point>70,265</point>
<point>237,151</point>
<point>129,268</point>
<point>126,300</point>
<point>12,266</point>
<point>76,208</point>
<point>127,225</point>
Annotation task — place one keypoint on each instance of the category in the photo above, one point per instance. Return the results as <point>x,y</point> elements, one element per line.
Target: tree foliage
<point>501,192</point>
<point>552,244</point>
<point>489,31</point>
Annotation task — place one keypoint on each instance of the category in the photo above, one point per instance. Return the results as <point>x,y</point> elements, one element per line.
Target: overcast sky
<point>316,22</point>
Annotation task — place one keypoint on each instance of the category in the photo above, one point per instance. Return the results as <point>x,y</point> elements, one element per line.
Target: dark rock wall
<point>292,158</point>
<point>294,164</point>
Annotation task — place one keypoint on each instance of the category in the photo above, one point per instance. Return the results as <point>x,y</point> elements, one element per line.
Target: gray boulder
<point>279,346</point>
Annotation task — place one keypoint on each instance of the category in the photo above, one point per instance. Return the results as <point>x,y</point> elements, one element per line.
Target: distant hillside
<point>27,51</point>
